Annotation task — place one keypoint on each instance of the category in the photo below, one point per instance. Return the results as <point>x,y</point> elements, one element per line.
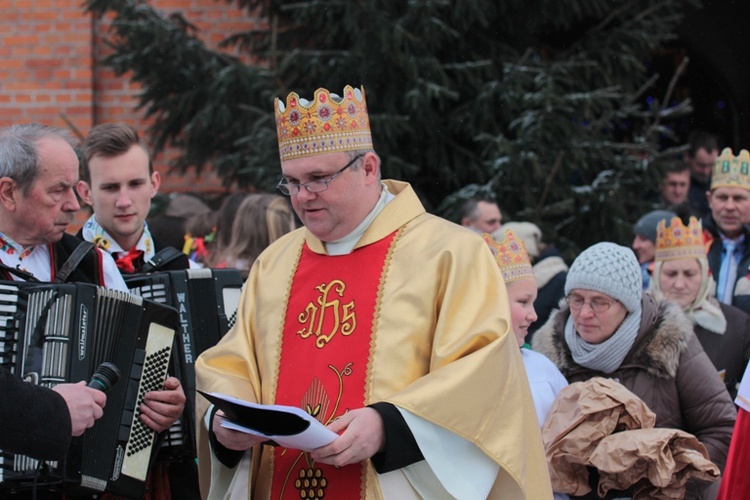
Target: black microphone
<point>105,377</point>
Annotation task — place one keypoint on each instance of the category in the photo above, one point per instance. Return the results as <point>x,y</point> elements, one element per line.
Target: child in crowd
<point>545,379</point>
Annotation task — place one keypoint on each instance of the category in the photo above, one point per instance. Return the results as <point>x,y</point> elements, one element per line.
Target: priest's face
<point>351,193</point>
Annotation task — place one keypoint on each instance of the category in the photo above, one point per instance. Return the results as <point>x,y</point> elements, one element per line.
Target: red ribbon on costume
<point>126,263</point>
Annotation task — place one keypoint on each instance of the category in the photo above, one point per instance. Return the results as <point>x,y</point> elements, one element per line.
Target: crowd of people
<point>435,353</point>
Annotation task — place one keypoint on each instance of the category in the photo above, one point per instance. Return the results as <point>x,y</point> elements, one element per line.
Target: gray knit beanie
<point>610,269</point>
<point>646,225</point>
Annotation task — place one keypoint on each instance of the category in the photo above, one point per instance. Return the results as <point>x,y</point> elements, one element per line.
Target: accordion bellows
<point>59,333</point>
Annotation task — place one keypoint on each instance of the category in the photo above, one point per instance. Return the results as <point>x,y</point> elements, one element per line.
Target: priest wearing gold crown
<point>727,236</point>
<point>387,324</point>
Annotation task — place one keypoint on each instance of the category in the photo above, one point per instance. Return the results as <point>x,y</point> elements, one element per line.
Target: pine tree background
<point>537,103</point>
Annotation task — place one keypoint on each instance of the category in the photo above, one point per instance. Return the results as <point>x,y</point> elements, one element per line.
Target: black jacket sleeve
<point>228,458</point>
<point>35,420</point>
<point>401,449</point>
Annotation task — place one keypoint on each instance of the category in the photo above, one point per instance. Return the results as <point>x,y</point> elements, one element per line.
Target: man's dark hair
<point>699,139</point>
<point>674,167</point>
<point>109,140</point>
<point>469,208</point>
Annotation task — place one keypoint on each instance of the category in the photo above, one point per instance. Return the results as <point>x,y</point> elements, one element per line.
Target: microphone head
<point>105,377</point>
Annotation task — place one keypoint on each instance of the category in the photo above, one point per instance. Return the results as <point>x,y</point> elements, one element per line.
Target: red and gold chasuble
<point>325,353</point>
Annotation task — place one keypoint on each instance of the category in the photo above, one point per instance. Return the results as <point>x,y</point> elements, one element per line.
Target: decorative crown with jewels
<point>511,256</point>
<point>731,171</point>
<point>328,124</point>
<point>678,241</point>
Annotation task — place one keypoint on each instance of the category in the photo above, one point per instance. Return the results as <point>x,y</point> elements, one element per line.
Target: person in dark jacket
<point>39,422</point>
<point>700,156</point>
<point>39,169</point>
<point>610,328</point>
<point>118,181</point>
<point>727,237</point>
<point>681,274</point>
<point>644,241</point>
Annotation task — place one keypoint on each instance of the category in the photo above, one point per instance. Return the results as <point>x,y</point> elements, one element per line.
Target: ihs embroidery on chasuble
<point>330,323</point>
<point>342,318</point>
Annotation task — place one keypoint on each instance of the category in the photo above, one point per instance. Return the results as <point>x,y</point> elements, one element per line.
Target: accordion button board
<point>60,333</point>
<point>207,302</point>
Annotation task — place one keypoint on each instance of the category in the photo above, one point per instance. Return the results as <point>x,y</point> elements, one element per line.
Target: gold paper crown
<point>328,124</point>
<point>678,241</point>
<point>511,256</point>
<point>731,171</point>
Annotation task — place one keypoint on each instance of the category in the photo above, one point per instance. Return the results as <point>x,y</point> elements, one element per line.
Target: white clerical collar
<point>346,244</point>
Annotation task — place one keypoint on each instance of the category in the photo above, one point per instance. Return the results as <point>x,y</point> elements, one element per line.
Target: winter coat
<point>741,295</point>
<point>35,420</point>
<point>667,368</point>
<point>728,352</point>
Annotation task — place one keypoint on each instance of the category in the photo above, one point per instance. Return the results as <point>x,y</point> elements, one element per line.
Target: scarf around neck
<point>606,356</point>
<point>705,310</point>
<point>92,231</point>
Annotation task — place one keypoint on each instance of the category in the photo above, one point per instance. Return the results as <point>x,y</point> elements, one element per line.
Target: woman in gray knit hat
<point>607,327</point>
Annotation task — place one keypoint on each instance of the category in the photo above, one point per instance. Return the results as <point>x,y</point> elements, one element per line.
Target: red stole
<point>325,353</point>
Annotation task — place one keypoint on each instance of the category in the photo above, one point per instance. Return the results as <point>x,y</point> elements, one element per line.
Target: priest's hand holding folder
<point>240,425</point>
<point>283,425</point>
<point>362,436</point>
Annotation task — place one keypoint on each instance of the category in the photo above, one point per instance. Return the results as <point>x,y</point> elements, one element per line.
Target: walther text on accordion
<point>207,301</point>
<point>59,333</point>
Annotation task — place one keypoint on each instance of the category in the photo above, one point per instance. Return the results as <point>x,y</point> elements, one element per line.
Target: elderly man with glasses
<point>385,323</point>
<point>612,329</point>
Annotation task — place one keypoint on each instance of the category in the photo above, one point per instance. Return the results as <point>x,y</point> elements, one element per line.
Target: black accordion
<point>207,301</point>
<point>61,333</point>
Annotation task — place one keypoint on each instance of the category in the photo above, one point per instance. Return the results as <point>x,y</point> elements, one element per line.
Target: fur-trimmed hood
<point>662,337</point>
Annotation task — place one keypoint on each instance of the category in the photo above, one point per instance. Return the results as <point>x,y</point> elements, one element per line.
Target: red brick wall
<point>45,63</point>
<point>49,70</point>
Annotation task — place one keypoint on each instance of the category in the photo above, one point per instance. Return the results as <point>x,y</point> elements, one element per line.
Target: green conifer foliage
<point>538,102</point>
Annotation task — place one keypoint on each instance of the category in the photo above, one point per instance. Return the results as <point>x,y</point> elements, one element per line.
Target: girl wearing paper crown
<point>681,273</point>
<point>545,380</point>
